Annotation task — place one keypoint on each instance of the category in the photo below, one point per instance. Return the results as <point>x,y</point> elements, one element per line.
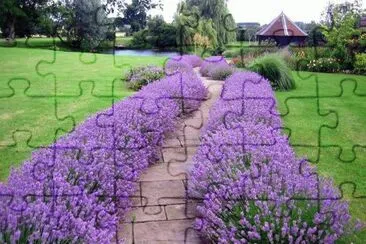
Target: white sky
<point>263,11</point>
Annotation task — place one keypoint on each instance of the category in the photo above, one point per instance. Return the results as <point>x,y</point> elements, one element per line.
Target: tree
<point>335,14</point>
<point>135,15</point>
<point>340,30</point>
<point>80,23</point>
<point>158,34</point>
<point>161,34</point>
<point>18,17</point>
<point>186,22</point>
<point>217,11</point>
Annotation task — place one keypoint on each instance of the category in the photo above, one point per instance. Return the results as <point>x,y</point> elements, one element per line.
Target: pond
<point>149,52</point>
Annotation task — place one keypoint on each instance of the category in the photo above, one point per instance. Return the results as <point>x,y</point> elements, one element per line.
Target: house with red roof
<point>283,31</point>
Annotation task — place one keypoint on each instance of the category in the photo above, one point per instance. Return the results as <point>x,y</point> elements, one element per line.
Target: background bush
<point>360,64</point>
<point>329,65</point>
<point>274,68</point>
<point>220,71</point>
<point>210,63</point>
<point>141,76</point>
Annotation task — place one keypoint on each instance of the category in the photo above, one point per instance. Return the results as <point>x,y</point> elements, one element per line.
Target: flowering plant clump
<point>253,187</point>
<point>184,63</point>
<point>220,71</point>
<point>194,60</point>
<point>210,63</point>
<point>77,189</point>
<point>324,65</point>
<point>141,76</point>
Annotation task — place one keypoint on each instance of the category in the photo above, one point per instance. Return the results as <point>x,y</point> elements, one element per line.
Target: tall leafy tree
<point>187,22</point>
<point>80,23</point>
<point>18,17</point>
<point>135,14</point>
<point>217,11</point>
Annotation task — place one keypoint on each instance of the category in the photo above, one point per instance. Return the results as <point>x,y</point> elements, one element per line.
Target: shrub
<point>194,60</point>
<point>329,65</point>
<point>139,40</point>
<point>220,71</point>
<point>253,187</point>
<point>173,66</point>
<point>184,63</point>
<point>360,64</point>
<point>209,63</point>
<point>75,190</point>
<point>141,76</point>
<point>274,68</point>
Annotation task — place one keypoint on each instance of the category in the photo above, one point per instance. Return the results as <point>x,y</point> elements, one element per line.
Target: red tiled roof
<point>281,26</point>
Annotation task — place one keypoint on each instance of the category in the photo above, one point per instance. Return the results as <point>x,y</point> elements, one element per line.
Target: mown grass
<point>42,92</point>
<point>301,117</point>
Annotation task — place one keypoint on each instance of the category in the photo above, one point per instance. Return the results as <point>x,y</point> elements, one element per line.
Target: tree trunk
<point>11,27</point>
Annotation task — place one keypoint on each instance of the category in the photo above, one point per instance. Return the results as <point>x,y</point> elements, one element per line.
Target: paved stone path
<point>162,213</point>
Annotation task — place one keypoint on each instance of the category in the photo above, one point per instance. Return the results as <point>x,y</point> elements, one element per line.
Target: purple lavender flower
<point>77,189</point>
<point>252,185</point>
<point>209,64</point>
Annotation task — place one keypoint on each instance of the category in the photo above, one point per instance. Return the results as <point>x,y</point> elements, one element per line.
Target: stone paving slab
<point>181,211</point>
<point>160,172</point>
<point>163,192</point>
<point>146,214</point>
<point>173,154</point>
<point>174,231</point>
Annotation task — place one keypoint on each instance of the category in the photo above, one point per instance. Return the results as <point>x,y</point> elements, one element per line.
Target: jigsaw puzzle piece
<point>305,134</point>
<point>353,183</point>
<point>349,133</point>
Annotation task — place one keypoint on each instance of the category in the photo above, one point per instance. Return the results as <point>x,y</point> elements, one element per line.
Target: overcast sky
<point>263,11</point>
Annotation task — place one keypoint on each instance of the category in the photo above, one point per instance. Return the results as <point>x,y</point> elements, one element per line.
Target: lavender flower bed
<point>77,189</point>
<point>216,67</point>
<point>253,187</point>
<point>184,63</point>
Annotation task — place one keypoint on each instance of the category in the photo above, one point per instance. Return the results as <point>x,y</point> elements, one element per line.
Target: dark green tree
<point>135,14</point>
<point>81,24</point>
<point>19,17</point>
<point>161,34</point>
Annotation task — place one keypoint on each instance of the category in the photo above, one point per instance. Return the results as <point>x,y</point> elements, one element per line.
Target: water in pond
<point>129,52</point>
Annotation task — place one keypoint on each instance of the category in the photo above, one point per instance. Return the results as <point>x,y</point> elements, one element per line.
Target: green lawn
<point>302,117</point>
<point>30,114</point>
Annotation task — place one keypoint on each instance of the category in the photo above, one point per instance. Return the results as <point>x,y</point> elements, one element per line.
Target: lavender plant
<point>78,188</point>
<point>216,67</point>
<point>184,63</point>
<point>253,187</point>
<point>220,71</point>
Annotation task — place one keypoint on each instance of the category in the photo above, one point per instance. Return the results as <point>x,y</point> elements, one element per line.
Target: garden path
<point>162,213</point>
